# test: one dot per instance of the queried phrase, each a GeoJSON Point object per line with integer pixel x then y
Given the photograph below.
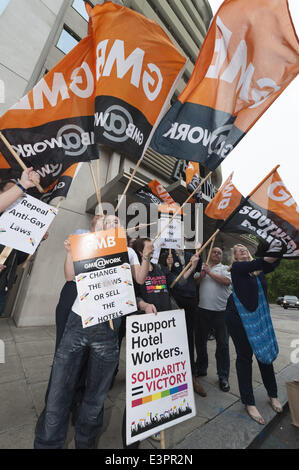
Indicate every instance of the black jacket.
{"type": "Point", "coordinates": [8, 275]}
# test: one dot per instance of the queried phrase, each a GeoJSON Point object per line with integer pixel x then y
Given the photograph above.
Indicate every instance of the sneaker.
{"type": "Point", "coordinates": [156, 437]}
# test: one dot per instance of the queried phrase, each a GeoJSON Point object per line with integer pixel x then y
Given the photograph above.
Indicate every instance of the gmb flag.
{"type": "Point", "coordinates": [249, 56]}
{"type": "Point", "coordinates": [270, 213]}
{"type": "Point", "coordinates": [193, 181]}
{"type": "Point", "coordinates": [137, 70]}
{"type": "Point", "coordinates": [51, 128]}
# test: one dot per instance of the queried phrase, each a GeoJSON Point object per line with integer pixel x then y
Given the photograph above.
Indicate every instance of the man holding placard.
{"type": "Point", "coordinates": [101, 256]}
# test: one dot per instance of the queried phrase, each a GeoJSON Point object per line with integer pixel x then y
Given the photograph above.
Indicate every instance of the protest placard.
{"type": "Point", "coordinates": [103, 276]}
{"type": "Point", "coordinates": [25, 222]}
{"type": "Point", "coordinates": [173, 236]}
{"type": "Point", "coordinates": [159, 386]}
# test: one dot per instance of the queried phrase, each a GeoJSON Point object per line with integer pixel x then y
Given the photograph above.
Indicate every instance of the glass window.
{"type": "Point", "coordinates": [79, 6]}
{"type": "Point", "coordinates": [67, 40]}
{"type": "Point", "coordinates": [3, 5]}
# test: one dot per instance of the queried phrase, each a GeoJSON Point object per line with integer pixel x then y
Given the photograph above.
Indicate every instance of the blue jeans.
{"type": "Point", "coordinates": [102, 344]}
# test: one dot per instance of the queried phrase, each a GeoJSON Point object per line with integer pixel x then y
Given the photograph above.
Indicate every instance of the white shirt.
{"type": "Point", "coordinates": [212, 294]}
{"type": "Point", "coordinates": [133, 260]}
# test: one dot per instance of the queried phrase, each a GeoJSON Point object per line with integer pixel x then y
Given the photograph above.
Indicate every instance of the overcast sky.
{"type": "Point", "coordinates": [273, 140]}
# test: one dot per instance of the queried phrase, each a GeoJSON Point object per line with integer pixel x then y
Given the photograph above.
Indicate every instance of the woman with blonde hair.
{"type": "Point", "coordinates": [250, 327]}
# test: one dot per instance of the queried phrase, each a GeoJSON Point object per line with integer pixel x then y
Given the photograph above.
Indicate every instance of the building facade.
{"type": "Point", "coordinates": [34, 36]}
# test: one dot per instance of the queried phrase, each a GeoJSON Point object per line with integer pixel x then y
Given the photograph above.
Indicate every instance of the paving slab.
{"type": "Point", "coordinates": [220, 432]}
{"type": "Point", "coordinates": [21, 437]}
{"type": "Point", "coordinates": [16, 406]}
{"type": "Point", "coordinates": [11, 370]}
{"type": "Point", "coordinates": [45, 347]}
{"type": "Point", "coordinates": [37, 369]}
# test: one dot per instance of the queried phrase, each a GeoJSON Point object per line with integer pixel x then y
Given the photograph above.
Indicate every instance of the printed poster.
{"type": "Point", "coordinates": [24, 223]}
{"type": "Point", "coordinates": [172, 237]}
{"type": "Point", "coordinates": [103, 276]}
{"type": "Point", "coordinates": [159, 386]}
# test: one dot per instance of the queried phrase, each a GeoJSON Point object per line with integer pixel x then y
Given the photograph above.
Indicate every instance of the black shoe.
{"type": "Point", "coordinates": [224, 385]}
{"type": "Point", "coordinates": [201, 374]}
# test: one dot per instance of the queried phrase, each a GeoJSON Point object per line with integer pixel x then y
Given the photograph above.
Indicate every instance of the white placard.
{"type": "Point", "coordinates": [105, 294]}
{"type": "Point", "coordinates": [172, 237]}
{"type": "Point", "coordinates": [24, 223]}
{"type": "Point", "coordinates": [159, 386]}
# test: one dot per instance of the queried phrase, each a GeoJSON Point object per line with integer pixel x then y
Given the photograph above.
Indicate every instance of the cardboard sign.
{"type": "Point", "coordinates": [173, 236]}
{"type": "Point", "coordinates": [103, 276]}
{"type": "Point", "coordinates": [24, 223]}
{"type": "Point", "coordinates": [158, 379]}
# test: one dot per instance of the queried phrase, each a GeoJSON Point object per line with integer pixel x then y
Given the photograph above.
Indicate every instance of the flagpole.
{"type": "Point", "coordinates": [129, 183]}
{"type": "Point", "coordinates": [141, 226]}
{"type": "Point", "coordinates": [96, 187]}
{"type": "Point", "coordinates": [225, 222]}
{"type": "Point", "coordinates": [180, 208]}
{"type": "Point", "coordinates": [198, 252]}
{"type": "Point", "coordinates": [18, 159]}
{"type": "Point", "coordinates": [210, 251]}
{"type": "Point", "coordinates": [262, 182]}
{"type": "Point", "coordinates": [5, 254]}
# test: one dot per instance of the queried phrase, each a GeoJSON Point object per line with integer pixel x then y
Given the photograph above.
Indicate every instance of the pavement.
{"type": "Point", "coordinates": [220, 423]}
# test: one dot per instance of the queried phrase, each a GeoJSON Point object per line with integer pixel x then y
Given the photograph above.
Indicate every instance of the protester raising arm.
{"type": "Point", "coordinates": [69, 271]}
{"type": "Point", "coordinates": [12, 191]}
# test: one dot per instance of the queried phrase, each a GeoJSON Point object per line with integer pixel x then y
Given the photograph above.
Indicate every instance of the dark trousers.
{"type": "Point", "coordinates": [190, 307]}
{"type": "Point", "coordinates": [244, 361]}
{"type": "Point", "coordinates": [102, 343]}
{"type": "Point", "coordinates": [207, 319]}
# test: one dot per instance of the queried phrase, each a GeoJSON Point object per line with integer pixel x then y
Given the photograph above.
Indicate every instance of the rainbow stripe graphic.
{"type": "Point", "coordinates": [84, 296]}
{"type": "Point", "coordinates": [53, 212]}
{"type": "Point", "coordinates": [130, 304]}
{"type": "Point", "coordinates": [89, 320]}
{"type": "Point", "coordinates": [128, 283]}
{"type": "Point", "coordinates": [125, 266]}
{"type": "Point", "coordinates": [158, 396]}
{"type": "Point", "coordinates": [32, 241]}
{"type": "Point", "coordinates": [2, 230]}
{"type": "Point", "coordinates": [81, 278]}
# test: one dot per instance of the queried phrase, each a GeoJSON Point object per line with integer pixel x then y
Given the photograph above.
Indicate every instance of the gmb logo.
{"type": "Point", "coordinates": [118, 125]}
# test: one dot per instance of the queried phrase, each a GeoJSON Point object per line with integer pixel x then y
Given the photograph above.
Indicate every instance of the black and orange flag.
{"type": "Point", "coordinates": [270, 213]}
{"type": "Point", "coordinates": [51, 128]}
{"type": "Point", "coordinates": [137, 71]}
{"type": "Point", "coordinates": [193, 180]}
{"type": "Point", "coordinates": [249, 56]}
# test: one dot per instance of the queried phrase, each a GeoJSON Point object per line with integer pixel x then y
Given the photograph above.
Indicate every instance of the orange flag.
{"type": "Point", "coordinates": [137, 70]}
{"type": "Point", "coordinates": [249, 56]}
{"type": "Point", "coordinates": [51, 128]}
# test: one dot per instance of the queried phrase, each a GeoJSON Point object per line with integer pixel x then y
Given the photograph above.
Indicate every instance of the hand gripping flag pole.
{"type": "Point", "coordinates": [16, 156]}
{"type": "Point", "coordinates": [198, 252]}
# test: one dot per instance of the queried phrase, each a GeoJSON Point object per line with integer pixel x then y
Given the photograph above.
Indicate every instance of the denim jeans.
{"type": "Point", "coordinates": [244, 361]}
{"type": "Point", "coordinates": [207, 319]}
{"type": "Point", "coordinates": [102, 344]}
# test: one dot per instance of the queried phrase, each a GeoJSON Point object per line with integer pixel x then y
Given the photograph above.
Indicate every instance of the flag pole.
{"type": "Point", "coordinates": [210, 251]}
{"type": "Point", "coordinates": [198, 252]}
{"type": "Point", "coordinates": [225, 222]}
{"type": "Point", "coordinates": [180, 208]}
{"type": "Point", "coordinates": [129, 183]}
{"type": "Point", "coordinates": [100, 207]}
{"type": "Point", "coordinates": [263, 180]}
{"type": "Point", "coordinates": [18, 159]}
{"type": "Point", "coordinates": [96, 186]}
{"type": "Point", "coordinates": [5, 254]}
{"type": "Point", "coordinates": [141, 226]}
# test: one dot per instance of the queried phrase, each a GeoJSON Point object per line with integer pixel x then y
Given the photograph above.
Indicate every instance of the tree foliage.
{"type": "Point", "coordinates": [284, 280]}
